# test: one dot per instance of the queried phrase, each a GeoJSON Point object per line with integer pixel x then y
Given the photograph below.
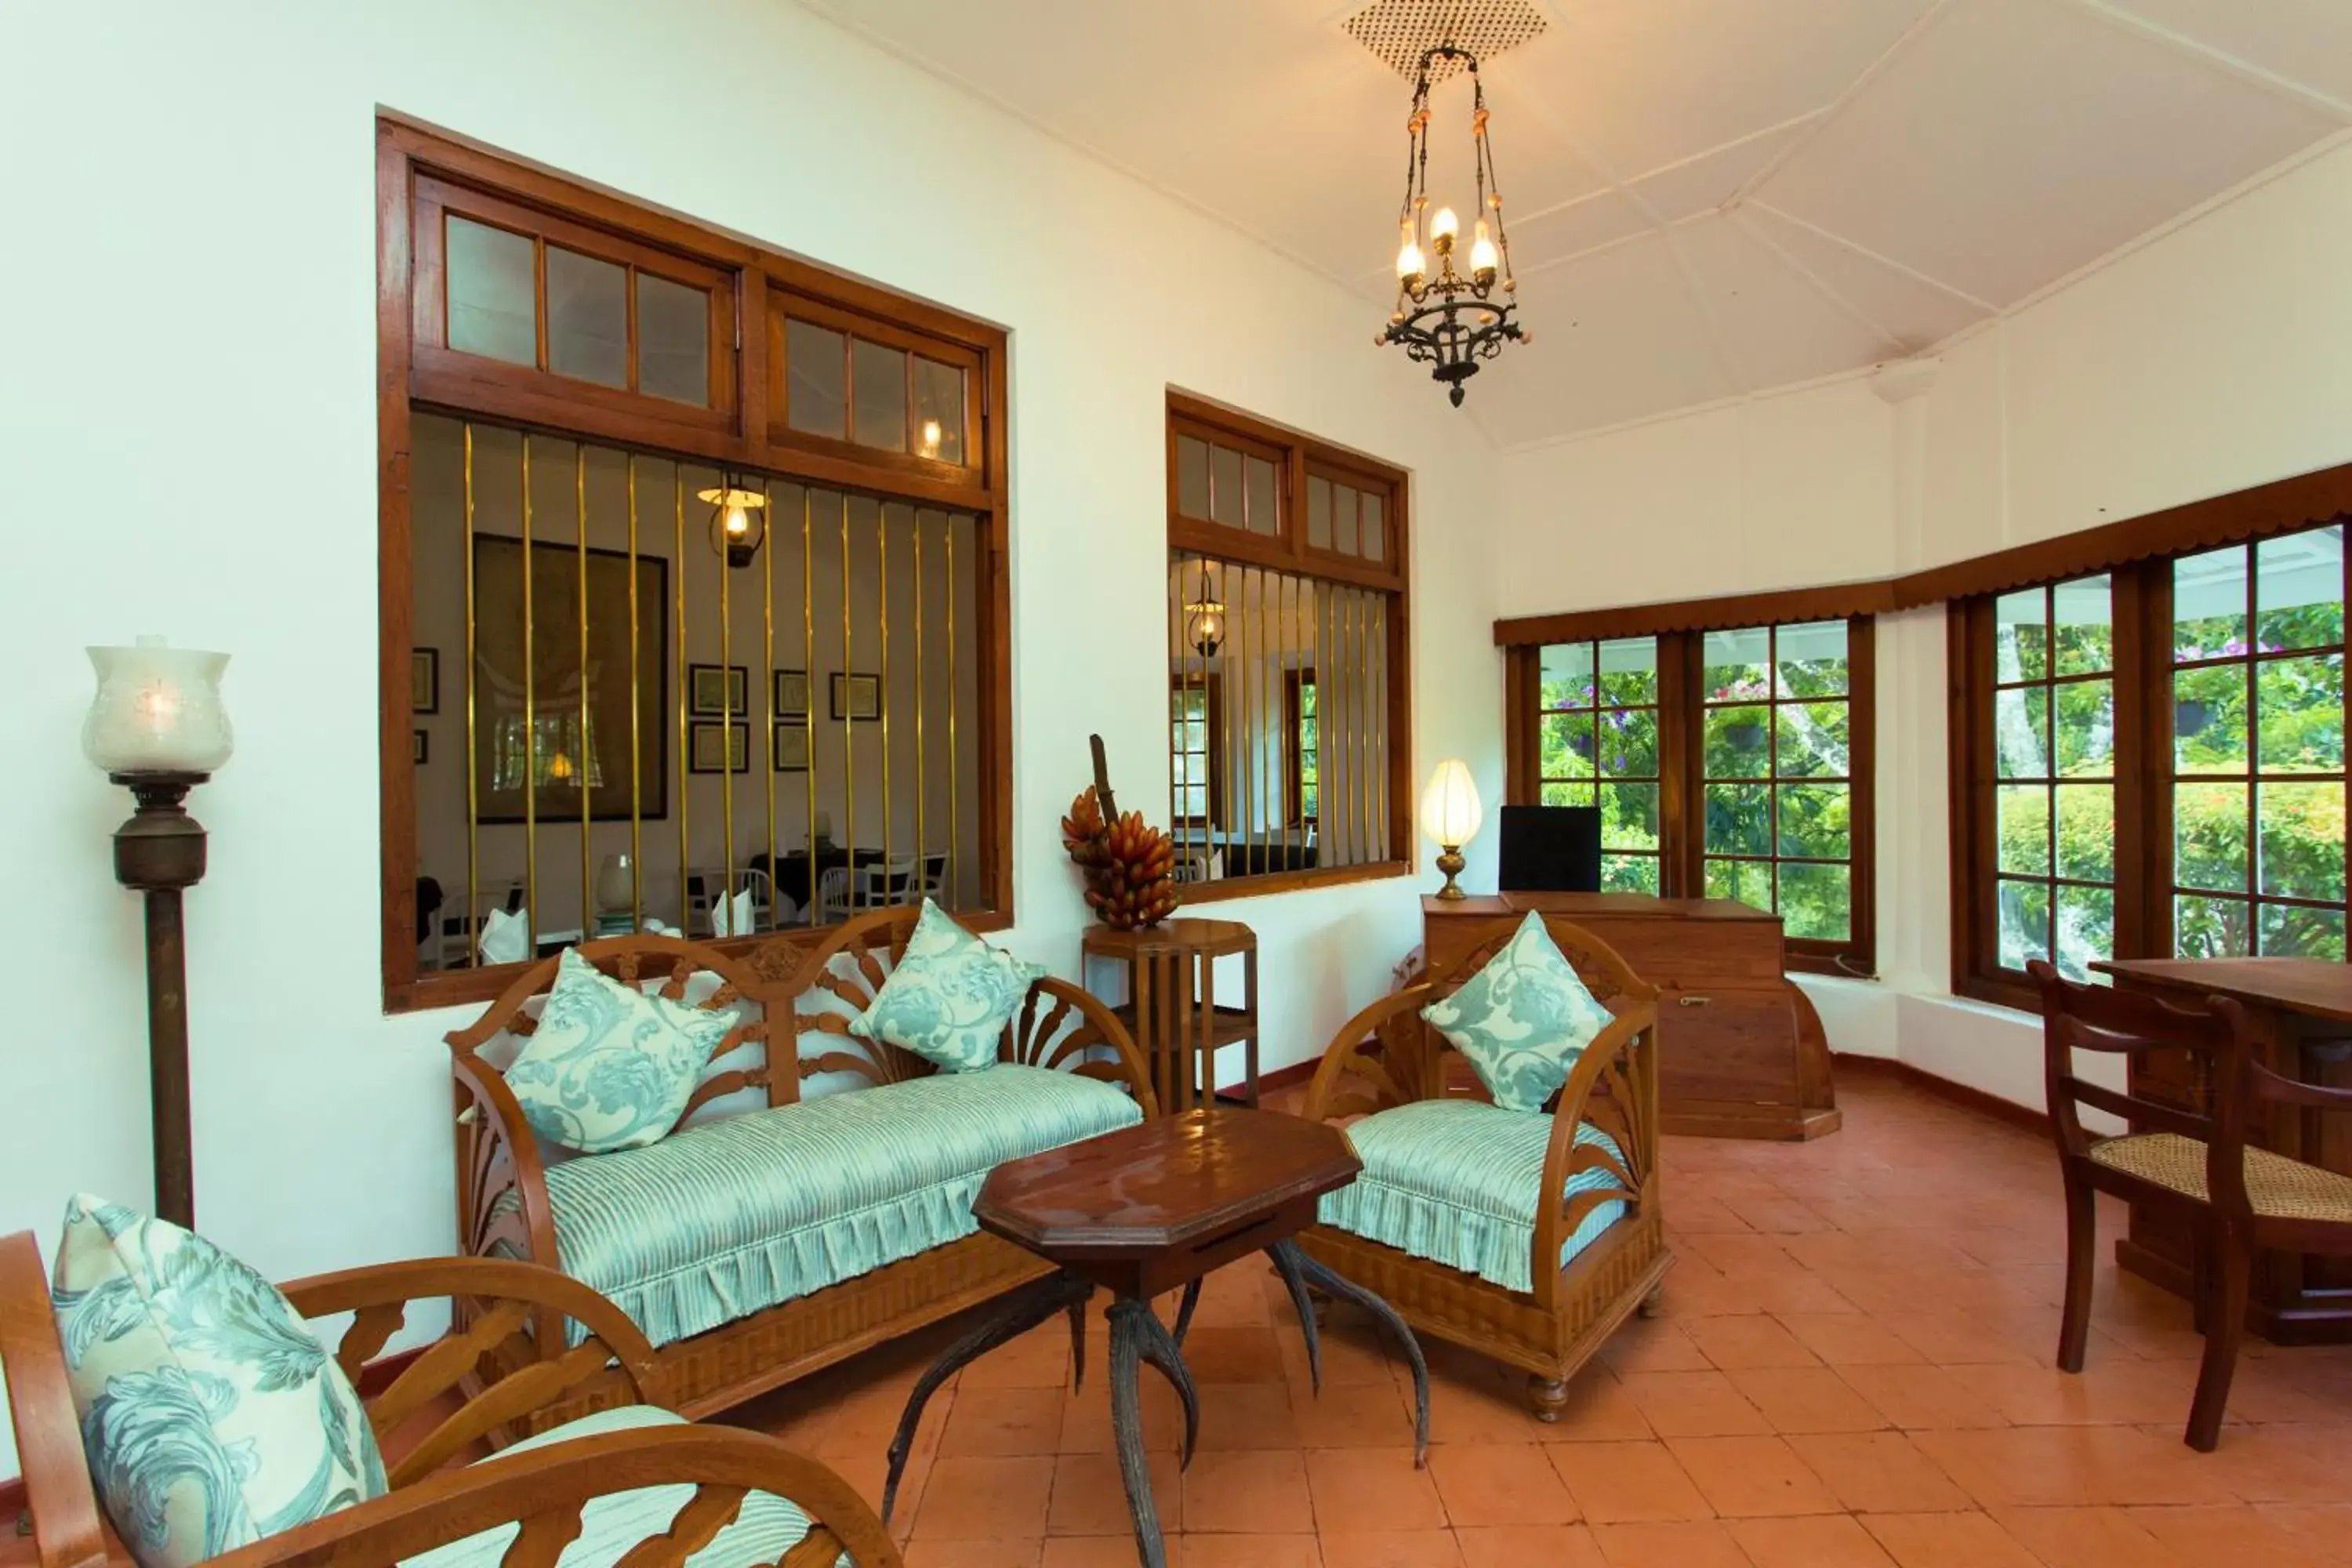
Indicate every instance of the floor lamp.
{"type": "Point", "coordinates": [158, 728]}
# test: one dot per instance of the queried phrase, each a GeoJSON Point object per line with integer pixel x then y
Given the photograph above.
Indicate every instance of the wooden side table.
{"type": "Point", "coordinates": [1172, 1008]}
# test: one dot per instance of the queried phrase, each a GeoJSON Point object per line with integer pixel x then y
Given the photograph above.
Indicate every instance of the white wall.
{"type": "Point", "coordinates": [207, 285]}
{"type": "Point", "coordinates": [2204, 362]}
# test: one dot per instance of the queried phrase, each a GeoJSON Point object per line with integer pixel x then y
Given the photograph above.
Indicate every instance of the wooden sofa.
{"type": "Point", "coordinates": [503, 1206]}
{"type": "Point", "coordinates": [431, 1504]}
{"type": "Point", "coordinates": [1386, 1056]}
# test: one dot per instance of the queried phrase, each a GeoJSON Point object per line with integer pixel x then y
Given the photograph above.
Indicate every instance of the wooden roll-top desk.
{"type": "Point", "coordinates": [1741, 1050]}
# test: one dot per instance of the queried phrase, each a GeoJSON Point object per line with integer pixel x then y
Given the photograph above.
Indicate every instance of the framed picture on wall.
{"type": "Point", "coordinates": [420, 747]}
{"type": "Point", "coordinates": [716, 690]}
{"type": "Point", "coordinates": [791, 695]}
{"type": "Point", "coordinates": [719, 748]}
{"type": "Point", "coordinates": [793, 745]}
{"type": "Point", "coordinates": [856, 696]}
{"type": "Point", "coordinates": [425, 682]}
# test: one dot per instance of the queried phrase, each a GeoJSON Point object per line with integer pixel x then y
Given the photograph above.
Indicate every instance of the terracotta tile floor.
{"type": "Point", "coordinates": [1852, 1372]}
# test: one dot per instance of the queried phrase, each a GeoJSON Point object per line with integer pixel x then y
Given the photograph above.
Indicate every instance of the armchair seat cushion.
{"type": "Point", "coordinates": [723, 1220]}
{"type": "Point", "coordinates": [763, 1530]}
{"type": "Point", "coordinates": [1456, 1182]}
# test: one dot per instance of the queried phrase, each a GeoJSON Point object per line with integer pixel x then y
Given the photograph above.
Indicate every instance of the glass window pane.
{"type": "Point", "coordinates": [673, 341]}
{"type": "Point", "coordinates": [1567, 675]}
{"type": "Point", "coordinates": [1191, 477]}
{"type": "Point", "coordinates": [1738, 742]}
{"type": "Point", "coordinates": [2208, 604]}
{"type": "Point", "coordinates": [493, 302]}
{"type": "Point", "coordinates": [2299, 589]}
{"type": "Point", "coordinates": [938, 410]}
{"type": "Point", "coordinates": [2299, 714]}
{"type": "Point", "coordinates": [2087, 930]}
{"type": "Point", "coordinates": [1568, 794]}
{"type": "Point", "coordinates": [2086, 632]}
{"type": "Point", "coordinates": [1345, 500]}
{"type": "Point", "coordinates": [1735, 665]}
{"type": "Point", "coordinates": [1816, 821]}
{"type": "Point", "coordinates": [2303, 840]}
{"type": "Point", "coordinates": [1264, 511]}
{"type": "Point", "coordinates": [2212, 928]}
{"type": "Point", "coordinates": [1568, 745]}
{"type": "Point", "coordinates": [1629, 742]}
{"type": "Point", "coordinates": [2022, 817]}
{"type": "Point", "coordinates": [2021, 636]}
{"type": "Point", "coordinates": [2020, 730]}
{"type": "Point", "coordinates": [2023, 913]}
{"type": "Point", "coordinates": [1629, 874]}
{"type": "Point", "coordinates": [2209, 719]}
{"type": "Point", "coordinates": [587, 317]}
{"type": "Point", "coordinates": [2208, 835]}
{"type": "Point", "coordinates": [1810, 741]}
{"type": "Point", "coordinates": [1748, 881]}
{"type": "Point", "coordinates": [2291, 932]}
{"type": "Point", "coordinates": [1629, 816]}
{"type": "Point", "coordinates": [877, 381]}
{"type": "Point", "coordinates": [814, 384]}
{"type": "Point", "coordinates": [1225, 486]}
{"type": "Point", "coordinates": [1817, 901]}
{"type": "Point", "coordinates": [1810, 659]}
{"type": "Point", "coordinates": [1318, 513]}
{"type": "Point", "coordinates": [1374, 527]}
{"type": "Point", "coordinates": [2086, 832]}
{"type": "Point", "coordinates": [2086, 728]}
{"type": "Point", "coordinates": [1739, 818]}
{"type": "Point", "coordinates": [1629, 670]}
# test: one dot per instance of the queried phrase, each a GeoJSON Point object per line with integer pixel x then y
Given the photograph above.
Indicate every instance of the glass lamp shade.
{"type": "Point", "coordinates": [158, 709]}
{"type": "Point", "coordinates": [1450, 811]}
{"type": "Point", "coordinates": [739, 522]}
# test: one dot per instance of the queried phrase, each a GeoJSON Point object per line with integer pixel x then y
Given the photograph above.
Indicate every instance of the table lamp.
{"type": "Point", "coordinates": [1450, 814]}
{"type": "Point", "coordinates": [157, 727]}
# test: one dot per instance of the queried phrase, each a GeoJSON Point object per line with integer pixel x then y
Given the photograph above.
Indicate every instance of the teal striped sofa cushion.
{"type": "Point", "coordinates": [1455, 1181]}
{"type": "Point", "coordinates": [718, 1221]}
{"type": "Point", "coordinates": [764, 1529]}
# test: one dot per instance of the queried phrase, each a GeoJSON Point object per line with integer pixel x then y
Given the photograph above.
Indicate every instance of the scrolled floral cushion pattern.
{"type": "Point", "coordinates": [950, 997]}
{"type": "Point", "coordinates": [211, 1416]}
{"type": "Point", "coordinates": [609, 1065]}
{"type": "Point", "coordinates": [1523, 1019]}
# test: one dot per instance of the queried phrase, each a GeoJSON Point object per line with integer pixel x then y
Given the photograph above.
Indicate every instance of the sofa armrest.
{"type": "Point", "coordinates": [1614, 1087]}
{"type": "Point", "coordinates": [68, 1532]}
{"type": "Point", "coordinates": [1359, 1071]}
{"type": "Point", "coordinates": [498, 1152]}
{"type": "Point", "coordinates": [544, 1491]}
{"type": "Point", "coordinates": [1045, 1035]}
{"type": "Point", "coordinates": [503, 1297]}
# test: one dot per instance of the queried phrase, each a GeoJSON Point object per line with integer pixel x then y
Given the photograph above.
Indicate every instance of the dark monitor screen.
{"type": "Point", "coordinates": [1551, 849]}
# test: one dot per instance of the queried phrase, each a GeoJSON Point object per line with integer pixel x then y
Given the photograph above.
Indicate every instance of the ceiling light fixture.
{"type": "Point", "coordinates": [1454, 320]}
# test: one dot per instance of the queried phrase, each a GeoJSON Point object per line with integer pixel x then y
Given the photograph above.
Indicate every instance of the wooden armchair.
{"type": "Point", "coordinates": [1385, 1056]}
{"type": "Point", "coordinates": [430, 1504]}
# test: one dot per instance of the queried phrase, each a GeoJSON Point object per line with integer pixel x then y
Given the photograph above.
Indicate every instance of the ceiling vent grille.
{"type": "Point", "coordinates": [1399, 31]}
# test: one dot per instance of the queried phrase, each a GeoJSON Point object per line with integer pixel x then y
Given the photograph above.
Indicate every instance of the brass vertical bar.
{"type": "Point", "coordinates": [636, 781]}
{"type": "Point", "coordinates": [727, 714]}
{"type": "Point", "coordinates": [1248, 754]}
{"type": "Point", "coordinates": [1253, 712]}
{"type": "Point", "coordinates": [955, 774]}
{"type": "Point", "coordinates": [582, 769]}
{"type": "Point", "coordinates": [1169, 678]}
{"type": "Point", "coordinates": [1363, 727]}
{"type": "Point", "coordinates": [677, 559]}
{"type": "Point", "coordinates": [530, 727]}
{"type": "Point", "coordinates": [922, 701]}
{"type": "Point", "coordinates": [882, 693]}
{"type": "Point", "coordinates": [808, 686]}
{"type": "Point", "coordinates": [768, 669]}
{"type": "Point", "coordinates": [473, 776]}
{"type": "Point", "coordinates": [1212, 786]}
{"type": "Point", "coordinates": [1384, 764]}
{"type": "Point", "coordinates": [848, 731]}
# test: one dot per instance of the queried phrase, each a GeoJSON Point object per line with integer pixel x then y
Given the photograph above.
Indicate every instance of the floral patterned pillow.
{"type": "Point", "coordinates": [1523, 1019]}
{"type": "Point", "coordinates": [211, 1416]}
{"type": "Point", "coordinates": [609, 1065]}
{"type": "Point", "coordinates": [950, 997]}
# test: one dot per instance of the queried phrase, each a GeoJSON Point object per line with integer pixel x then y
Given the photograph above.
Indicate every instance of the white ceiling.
{"type": "Point", "coordinates": [1707, 197]}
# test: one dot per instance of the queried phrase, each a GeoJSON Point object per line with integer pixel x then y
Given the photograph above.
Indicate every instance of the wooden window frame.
{"type": "Point", "coordinates": [1300, 456]}
{"type": "Point", "coordinates": [1682, 756]}
{"type": "Point", "coordinates": [1214, 746]}
{"type": "Point", "coordinates": [1656, 707]}
{"type": "Point", "coordinates": [420, 173]}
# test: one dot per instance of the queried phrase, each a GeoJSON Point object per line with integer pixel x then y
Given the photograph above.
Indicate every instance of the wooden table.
{"type": "Point", "coordinates": [1143, 1211]}
{"type": "Point", "coordinates": [1172, 1008]}
{"type": "Point", "coordinates": [2301, 1013]}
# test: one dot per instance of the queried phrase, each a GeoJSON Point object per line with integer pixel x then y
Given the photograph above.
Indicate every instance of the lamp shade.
{"type": "Point", "coordinates": [158, 709]}
{"type": "Point", "coordinates": [1450, 811]}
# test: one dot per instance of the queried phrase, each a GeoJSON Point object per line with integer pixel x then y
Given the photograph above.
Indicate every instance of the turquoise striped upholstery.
{"type": "Point", "coordinates": [764, 1529]}
{"type": "Point", "coordinates": [721, 1220]}
{"type": "Point", "coordinates": [1455, 1181]}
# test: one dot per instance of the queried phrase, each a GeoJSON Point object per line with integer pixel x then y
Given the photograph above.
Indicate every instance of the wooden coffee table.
{"type": "Point", "coordinates": [1143, 1211]}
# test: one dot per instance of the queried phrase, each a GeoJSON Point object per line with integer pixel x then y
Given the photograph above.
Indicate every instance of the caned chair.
{"type": "Point", "coordinates": [2191, 1163]}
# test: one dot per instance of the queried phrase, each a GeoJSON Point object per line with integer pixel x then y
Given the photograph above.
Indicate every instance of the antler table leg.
{"type": "Point", "coordinates": [1298, 1271]}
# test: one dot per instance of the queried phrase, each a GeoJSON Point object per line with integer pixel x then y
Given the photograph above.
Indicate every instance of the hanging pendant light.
{"type": "Point", "coordinates": [1456, 319]}
{"type": "Point", "coordinates": [1204, 626]}
{"type": "Point", "coordinates": [739, 519]}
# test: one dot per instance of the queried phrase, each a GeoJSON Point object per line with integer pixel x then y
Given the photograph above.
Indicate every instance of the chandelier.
{"type": "Point", "coordinates": [1454, 320]}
